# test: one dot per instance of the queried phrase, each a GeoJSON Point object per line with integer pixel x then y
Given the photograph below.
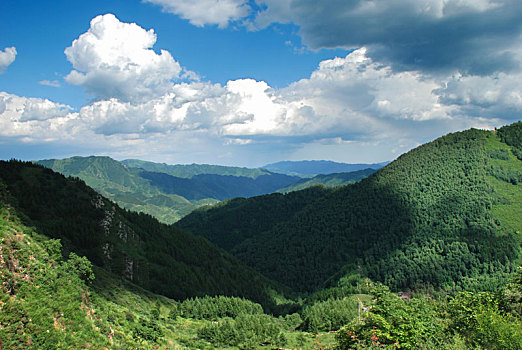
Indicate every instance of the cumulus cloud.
{"type": "Point", "coordinates": [7, 56]}
{"type": "Point", "coordinates": [352, 108]}
{"type": "Point", "coordinates": [203, 12]}
{"type": "Point", "coordinates": [116, 60]}
{"type": "Point", "coordinates": [348, 102]}
{"type": "Point", "coordinates": [23, 109]}
{"type": "Point", "coordinates": [33, 118]}
{"type": "Point", "coordinates": [487, 96]}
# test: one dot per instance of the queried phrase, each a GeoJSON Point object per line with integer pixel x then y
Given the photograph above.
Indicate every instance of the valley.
{"type": "Point", "coordinates": [318, 267]}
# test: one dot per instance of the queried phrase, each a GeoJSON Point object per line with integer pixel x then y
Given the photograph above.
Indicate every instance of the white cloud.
{"type": "Point", "coordinates": [352, 104]}
{"type": "Point", "coordinates": [52, 83]}
{"type": "Point", "coordinates": [33, 118]}
{"type": "Point", "coordinates": [202, 12]}
{"type": "Point", "coordinates": [7, 56]}
{"type": "Point", "coordinates": [115, 60]}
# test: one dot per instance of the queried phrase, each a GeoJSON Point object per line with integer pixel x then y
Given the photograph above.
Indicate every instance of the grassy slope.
{"type": "Point", "coordinates": [509, 201]}
{"type": "Point", "coordinates": [48, 303]}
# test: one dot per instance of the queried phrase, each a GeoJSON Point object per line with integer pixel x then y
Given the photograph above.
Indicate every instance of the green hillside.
{"type": "Point", "coordinates": [125, 186]}
{"type": "Point", "coordinates": [190, 170]}
{"type": "Point", "coordinates": [155, 256]}
{"type": "Point", "coordinates": [167, 192]}
{"type": "Point", "coordinates": [330, 180]}
{"type": "Point", "coordinates": [231, 222]}
{"type": "Point", "coordinates": [50, 302]}
{"type": "Point", "coordinates": [445, 214]}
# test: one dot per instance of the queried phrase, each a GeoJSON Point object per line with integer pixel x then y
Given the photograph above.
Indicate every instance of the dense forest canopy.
{"type": "Point", "coordinates": [440, 215]}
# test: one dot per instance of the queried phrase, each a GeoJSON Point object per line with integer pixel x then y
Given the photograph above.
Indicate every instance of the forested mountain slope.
{"type": "Point", "coordinates": [167, 192]}
{"type": "Point", "coordinates": [445, 214]}
{"type": "Point", "coordinates": [136, 246]}
{"type": "Point", "coordinates": [330, 180]}
{"type": "Point", "coordinates": [190, 170]}
{"type": "Point", "coordinates": [231, 222]}
{"type": "Point", "coordinates": [49, 301]}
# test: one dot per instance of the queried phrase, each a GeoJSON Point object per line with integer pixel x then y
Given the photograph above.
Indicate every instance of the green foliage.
{"type": "Point", "coordinates": [465, 321]}
{"type": "Point", "coordinates": [502, 154]}
{"type": "Point", "coordinates": [346, 283]}
{"type": "Point", "coordinates": [430, 218]}
{"type": "Point", "coordinates": [245, 331]}
{"type": "Point", "coordinates": [147, 331]}
{"type": "Point", "coordinates": [155, 256]}
{"type": "Point", "coordinates": [512, 294]}
{"type": "Point", "coordinates": [508, 175]}
{"type": "Point", "coordinates": [511, 135]}
{"type": "Point", "coordinates": [213, 308]}
{"type": "Point", "coordinates": [392, 321]}
{"type": "Point", "coordinates": [44, 302]}
{"type": "Point", "coordinates": [478, 317]}
{"type": "Point", "coordinates": [331, 315]}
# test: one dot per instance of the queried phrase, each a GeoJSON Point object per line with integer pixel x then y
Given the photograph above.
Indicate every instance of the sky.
{"type": "Point", "coordinates": [252, 82]}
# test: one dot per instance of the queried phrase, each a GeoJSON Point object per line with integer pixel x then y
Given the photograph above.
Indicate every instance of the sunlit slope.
{"type": "Point", "coordinates": [436, 216]}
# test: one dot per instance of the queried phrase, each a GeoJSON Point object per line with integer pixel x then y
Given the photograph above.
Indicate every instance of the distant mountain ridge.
{"type": "Point", "coordinates": [329, 180]}
{"type": "Point", "coordinates": [191, 170]}
{"type": "Point", "coordinates": [310, 168]}
{"type": "Point", "coordinates": [168, 192]}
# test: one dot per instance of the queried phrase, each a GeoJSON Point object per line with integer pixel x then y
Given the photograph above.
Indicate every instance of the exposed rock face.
{"type": "Point", "coordinates": [118, 236]}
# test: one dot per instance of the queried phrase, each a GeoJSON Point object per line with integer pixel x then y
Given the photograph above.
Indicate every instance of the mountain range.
{"type": "Point", "coordinates": [169, 192]}
{"type": "Point", "coordinates": [311, 168]}
{"type": "Point", "coordinates": [279, 269]}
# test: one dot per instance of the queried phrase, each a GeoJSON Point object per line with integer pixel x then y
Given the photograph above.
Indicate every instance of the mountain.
{"type": "Point", "coordinates": [155, 256]}
{"type": "Point", "coordinates": [190, 170]}
{"type": "Point", "coordinates": [310, 168]}
{"type": "Point", "coordinates": [168, 192]}
{"type": "Point", "coordinates": [445, 214]}
{"type": "Point", "coordinates": [330, 180]}
{"type": "Point", "coordinates": [231, 222]}
{"type": "Point", "coordinates": [218, 187]}
{"type": "Point", "coordinates": [54, 301]}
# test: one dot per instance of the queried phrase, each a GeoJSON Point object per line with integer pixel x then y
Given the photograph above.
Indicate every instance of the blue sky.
{"type": "Point", "coordinates": [247, 83]}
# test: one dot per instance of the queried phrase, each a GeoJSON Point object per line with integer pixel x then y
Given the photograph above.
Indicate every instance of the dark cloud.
{"type": "Point", "coordinates": [427, 35]}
